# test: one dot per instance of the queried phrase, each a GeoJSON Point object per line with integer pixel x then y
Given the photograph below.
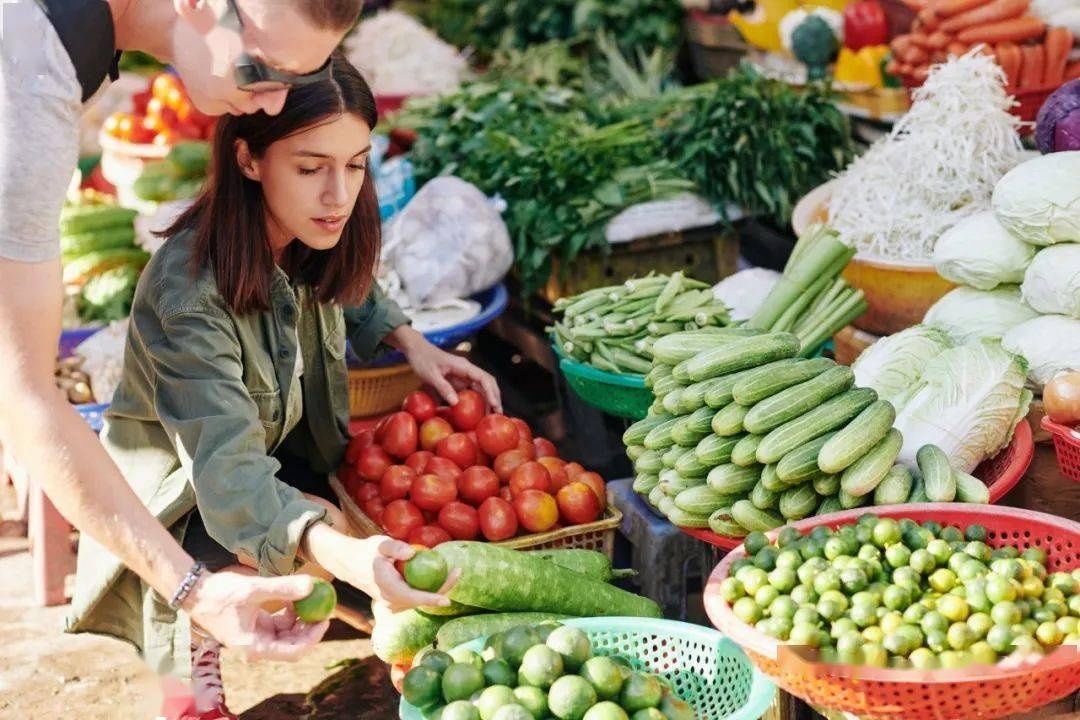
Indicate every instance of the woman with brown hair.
{"type": "Point", "coordinates": [233, 406]}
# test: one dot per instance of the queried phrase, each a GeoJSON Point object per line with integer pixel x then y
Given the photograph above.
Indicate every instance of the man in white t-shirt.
{"type": "Point", "coordinates": [235, 56]}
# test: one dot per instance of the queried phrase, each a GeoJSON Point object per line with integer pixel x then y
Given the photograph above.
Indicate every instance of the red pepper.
{"type": "Point", "coordinates": [865, 24]}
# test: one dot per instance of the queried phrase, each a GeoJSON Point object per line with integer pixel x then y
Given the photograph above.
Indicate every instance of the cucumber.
{"type": "Point", "coordinates": [635, 434]}
{"type": "Point", "coordinates": [828, 416]}
{"type": "Point", "coordinates": [643, 484]}
{"type": "Point", "coordinates": [733, 480]}
{"type": "Point", "coordinates": [648, 462]}
{"type": "Point", "coordinates": [462, 630]}
{"type": "Point", "coordinates": [715, 450]}
{"type": "Point", "coordinates": [753, 519]}
{"type": "Point", "coordinates": [918, 491]}
{"type": "Point", "coordinates": [774, 411]}
{"type": "Point", "coordinates": [693, 397]}
{"type": "Point", "coordinates": [719, 395]}
{"type": "Point", "coordinates": [659, 370]}
{"type": "Point", "coordinates": [970, 489]}
{"type": "Point", "coordinates": [81, 269]}
{"type": "Point", "coordinates": [397, 637]}
{"type": "Point", "coordinates": [681, 373]}
{"type": "Point", "coordinates": [858, 438]}
{"type": "Point", "coordinates": [665, 386]}
{"type": "Point", "coordinates": [79, 219]}
{"type": "Point", "coordinates": [689, 466]}
{"type": "Point", "coordinates": [830, 504]}
{"type": "Point", "coordinates": [770, 379]}
{"type": "Point", "coordinates": [635, 451]}
{"type": "Point", "coordinates": [729, 421]}
{"type": "Point", "coordinates": [656, 495]}
{"type": "Point", "coordinates": [763, 498]}
{"type": "Point", "coordinates": [801, 464]}
{"type": "Point", "coordinates": [675, 483]}
{"type": "Point", "coordinates": [681, 518]}
{"type": "Point", "coordinates": [868, 471]}
{"type": "Point", "coordinates": [895, 489]}
{"type": "Point", "coordinates": [73, 246]}
{"type": "Point", "coordinates": [771, 480]}
{"type": "Point", "coordinates": [672, 402]}
{"type": "Point", "coordinates": [742, 354]}
{"type": "Point", "coordinates": [667, 504]}
{"type": "Point", "coordinates": [722, 523]}
{"type": "Point", "coordinates": [826, 485]}
{"type": "Point", "coordinates": [938, 479]}
{"type": "Point", "coordinates": [505, 580]}
{"type": "Point", "coordinates": [850, 502]}
{"type": "Point", "coordinates": [693, 428]}
{"type": "Point", "coordinates": [702, 500]}
{"type": "Point", "coordinates": [671, 457]}
{"type": "Point", "coordinates": [674, 349]}
{"type": "Point", "coordinates": [798, 502]}
{"type": "Point", "coordinates": [659, 437]}
{"type": "Point", "coordinates": [744, 454]}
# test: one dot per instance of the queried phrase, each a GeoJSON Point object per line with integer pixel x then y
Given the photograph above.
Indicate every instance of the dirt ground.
{"type": "Point", "coordinates": [46, 674]}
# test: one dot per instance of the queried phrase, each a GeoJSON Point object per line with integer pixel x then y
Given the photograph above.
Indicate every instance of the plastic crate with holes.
{"type": "Point", "coordinates": [1066, 446]}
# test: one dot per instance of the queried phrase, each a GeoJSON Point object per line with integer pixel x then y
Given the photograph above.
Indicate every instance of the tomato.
{"type": "Point", "coordinates": [372, 462]}
{"type": "Point", "coordinates": [498, 521]}
{"type": "Point", "coordinates": [176, 98]}
{"type": "Point", "coordinates": [399, 435]}
{"type": "Point", "coordinates": [189, 130]}
{"type": "Point", "coordinates": [162, 84]}
{"type": "Point", "coordinates": [418, 461]}
{"type": "Point", "coordinates": [434, 430]}
{"type": "Point", "coordinates": [125, 125]}
{"type": "Point", "coordinates": [366, 492]}
{"type": "Point", "coordinates": [507, 462]}
{"type": "Point", "coordinates": [458, 449]}
{"type": "Point", "coordinates": [166, 138]}
{"type": "Point", "coordinates": [529, 476]}
{"type": "Point", "coordinates": [496, 434]}
{"type": "Point", "coordinates": [477, 484]}
{"type": "Point", "coordinates": [443, 468]}
{"type": "Point", "coordinates": [536, 510]}
{"type": "Point", "coordinates": [429, 536]}
{"type": "Point", "coordinates": [420, 405]}
{"type": "Point", "coordinates": [596, 483]}
{"type": "Point", "coordinates": [544, 448]}
{"type": "Point", "coordinates": [524, 431]}
{"type": "Point", "coordinates": [396, 482]}
{"type": "Point", "coordinates": [578, 504]}
{"type": "Point", "coordinates": [356, 444]}
{"type": "Point", "coordinates": [346, 474]}
{"type": "Point", "coordinates": [159, 111]}
{"type": "Point", "coordinates": [401, 518]}
{"type": "Point", "coordinates": [505, 494]}
{"type": "Point", "coordinates": [374, 509]}
{"type": "Point", "coordinates": [572, 470]}
{"type": "Point", "coordinates": [460, 520]}
{"type": "Point", "coordinates": [555, 468]}
{"type": "Point", "coordinates": [112, 124]}
{"type": "Point", "coordinates": [431, 492]}
{"type": "Point", "coordinates": [140, 100]}
{"type": "Point", "coordinates": [527, 448]}
{"type": "Point", "coordinates": [481, 457]}
{"type": "Point", "coordinates": [468, 411]}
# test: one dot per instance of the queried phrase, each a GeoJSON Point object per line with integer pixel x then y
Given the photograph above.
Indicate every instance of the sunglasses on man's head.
{"type": "Point", "coordinates": [253, 75]}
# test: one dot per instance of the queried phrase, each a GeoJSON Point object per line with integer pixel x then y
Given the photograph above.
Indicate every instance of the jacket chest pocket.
{"type": "Point", "coordinates": [271, 414]}
{"type": "Point", "coordinates": [334, 334]}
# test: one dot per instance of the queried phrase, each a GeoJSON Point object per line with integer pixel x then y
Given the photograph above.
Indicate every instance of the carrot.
{"type": "Point", "coordinates": [920, 40]}
{"type": "Point", "coordinates": [938, 41]}
{"type": "Point", "coordinates": [939, 56]}
{"type": "Point", "coordinates": [921, 73]}
{"type": "Point", "coordinates": [948, 8]}
{"type": "Point", "coordinates": [1031, 75]}
{"type": "Point", "coordinates": [893, 68]}
{"type": "Point", "coordinates": [957, 48]}
{"type": "Point", "coordinates": [1059, 42]}
{"type": "Point", "coordinates": [905, 70]}
{"type": "Point", "coordinates": [900, 45]}
{"type": "Point", "coordinates": [926, 20]}
{"type": "Point", "coordinates": [915, 55]}
{"type": "Point", "coordinates": [991, 12]}
{"type": "Point", "coordinates": [1072, 72]}
{"type": "Point", "coordinates": [1010, 59]}
{"type": "Point", "coordinates": [1016, 29]}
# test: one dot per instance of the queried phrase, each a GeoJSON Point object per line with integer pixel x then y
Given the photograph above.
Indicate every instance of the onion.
{"type": "Point", "coordinates": [1062, 398]}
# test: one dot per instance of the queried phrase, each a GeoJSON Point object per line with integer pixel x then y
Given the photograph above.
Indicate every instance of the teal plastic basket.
{"type": "Point", "coordinates": [623, 396]}
{"type": "Point", "coordinates": [706, 669]}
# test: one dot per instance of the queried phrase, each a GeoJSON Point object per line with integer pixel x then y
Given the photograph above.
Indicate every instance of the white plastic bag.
{"type": "Point", "coordinates": [104, 359]}
{"type": "Point", "coordinates": [657, 217]}
{"type": "Point", "coordinates": [449, 242]}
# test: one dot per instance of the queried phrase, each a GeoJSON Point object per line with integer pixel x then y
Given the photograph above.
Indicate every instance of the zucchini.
{"type": "Point", "coordinates": [938, 479]}
{"type": "Point", "coordinates": [830, 504]}
{"type": "Point", "coordinates": [689, 466]}
{"type": "Point", "coordinates": [719, 395]}
{"type": "Point", "coordinates": [970, 489]}
{"type": "Point", "coordinates": [850, 502]}
{"type": "Point", "coordinates": [659, 437]}
{"type": "Point", "coordinates": [635, 434]}
{"type": "Point", "coordinates": [635, 451]}
{"type": "Point", "coordinates": [674, 349]}
{"type": "Point", "coordinates": [771, 480]}
{"type": "Point", "coordinates": [648, 462]}
{"type": "Point", "coordinates": [798, 502]}
{"type": "Point", "coordinates": [398, 637]}
{"type": "Point", "coordinates": [744, 454]}
{"type": "Point", "coordinates": [868, 471]}
{"type": "Point", "coordinates": [742, 354]}
{"type": "Point", "coordinates": [801, 464]}
{"type": "Point", "coordinates": [733, 480]}
{"type": "Point", "coordinates": [763, 498]}
{"type": "Point", "coordinates": [754, 519]}
{"type": "Point", "coordinates": [501, 579]}
{"type": "Point", "coordinates": [770, 379]}
{"type": "Point", "coordinates": [670, 458]}
{"type": "Point", "coordinates": [858, 438]}
{"type": "Point", "coordinates": [644, 483]}
{"type": "Point", "coordinates": [826, 485]}
{"type": "Point", "coordinates": [895, 489]}
{"type": "Point", "coordinates": [462, 630]}
{"type": "Point", "coordinates": [702, 500]}
{"type": "Point", "coordinates": [774, 411]}
{"type": "Point", "coordinates": [681, 518]}
{"type": "Point", "coordinates": [666, 385]}
{"type": "Point", "coordinates": [715, 450]}
{"type": "Point", "coordinates": [722, 523]}
{"type": "Point", "coordinates": [828, 416]}
{"type": "Point", "coordinates": [693, 428]}
{"type": "Point", "coordinates": [729, 421]}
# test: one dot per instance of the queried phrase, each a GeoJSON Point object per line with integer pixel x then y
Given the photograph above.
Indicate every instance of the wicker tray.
{"type": "Point", "coordinates": [598, 535]}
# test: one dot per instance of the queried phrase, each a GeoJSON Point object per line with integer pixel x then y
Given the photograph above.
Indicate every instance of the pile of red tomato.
{"type": "Point", "coordinates": [430, 474]}
{"type": "Point", "coordinates": [163, 115]}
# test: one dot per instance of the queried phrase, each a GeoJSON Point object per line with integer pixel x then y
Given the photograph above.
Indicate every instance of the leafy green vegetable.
{"type": "Point", "coordinates": [893, 364]}
{"type": "Point", "coordinates": [108, 296]}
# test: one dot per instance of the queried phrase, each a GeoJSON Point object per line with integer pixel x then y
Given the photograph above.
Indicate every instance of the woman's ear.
{"type": "Point", "coordinates": [198, 13]}
{"type": "Point", "coordinates": [248, 164]}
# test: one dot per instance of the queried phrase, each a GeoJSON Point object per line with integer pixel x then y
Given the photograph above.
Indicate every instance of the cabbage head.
{"type": "Point", "coordinates": [1039, 200]}
{"type": "Point", "coordinates": [966, 314]}
{"type": "Point", "coordinates": [1052, 282]}
{"type": "Point", "coordinates": [893, 364]}
{"type": "Point", "coordinates": [967, 402]}
{"type": "Point", "coordinates": [1049, 344]}
{"type": "Point", "coordinates": [979, 252]}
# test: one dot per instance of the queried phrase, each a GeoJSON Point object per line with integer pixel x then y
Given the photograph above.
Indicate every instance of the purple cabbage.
{"type": "Point", "coordinates": [1057, 128]}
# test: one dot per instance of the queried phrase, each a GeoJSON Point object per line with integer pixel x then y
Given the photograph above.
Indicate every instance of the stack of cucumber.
{"type": "Point", "coordinates": [614, 328]}
{"type": "Point", "coordinates": [95, 237]}
{"type": "Point", "coordinates": [745, 436]}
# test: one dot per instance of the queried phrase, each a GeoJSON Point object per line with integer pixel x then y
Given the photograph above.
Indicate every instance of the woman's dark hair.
{"type": "Point", "coordinates": [228, 217]}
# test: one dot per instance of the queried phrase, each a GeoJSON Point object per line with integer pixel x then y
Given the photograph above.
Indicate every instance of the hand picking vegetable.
{"type": "Point", "coordinates": [426, 570]}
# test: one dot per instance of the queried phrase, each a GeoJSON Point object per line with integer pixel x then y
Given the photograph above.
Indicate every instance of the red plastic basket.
{"type": "Point", "coordinates": [1067, 447]}
{"type": "Point", "coordinates": [1001, 473]}
{"type": "Point", "coordinates": [877, 694]}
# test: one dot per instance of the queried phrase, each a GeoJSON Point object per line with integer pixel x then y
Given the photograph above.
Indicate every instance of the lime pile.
{"type": "Point", "coordinates": [888, 593]}
{"type": "Point", "coordinates": [536, 673]}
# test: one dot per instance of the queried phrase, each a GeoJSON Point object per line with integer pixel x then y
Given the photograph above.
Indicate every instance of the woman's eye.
{"type": "Point", "coordinates": [360, 167]}
{"type": "Point", "coordinates": [308, 171]}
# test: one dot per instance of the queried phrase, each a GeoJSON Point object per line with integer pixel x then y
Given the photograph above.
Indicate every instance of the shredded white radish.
{"type": "Point", "coordinates": [399, 56]}
{"type": "Point", "coordinates": [938, 166]}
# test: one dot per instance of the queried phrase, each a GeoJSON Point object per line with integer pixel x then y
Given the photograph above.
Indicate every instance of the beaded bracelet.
{"type": "Point", "coordinates": [186, 585]}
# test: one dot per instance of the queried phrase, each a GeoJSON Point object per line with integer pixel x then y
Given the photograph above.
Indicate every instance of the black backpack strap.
{"type": "Point", "coordinates": [85, 28]}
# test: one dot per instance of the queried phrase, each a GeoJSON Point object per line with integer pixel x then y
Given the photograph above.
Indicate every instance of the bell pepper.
{"type": "Point", "coordinates": [761, 28]}
{"type": "Point", "coordinates": [865, 24]}
{"type": "Point", "coordinates": [862, 67]}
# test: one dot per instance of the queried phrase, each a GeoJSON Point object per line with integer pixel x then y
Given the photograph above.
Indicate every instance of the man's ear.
{"type": "Point", "coordinates": [197, 12]}
{"type": "Point", "coordinates": [248, 164]}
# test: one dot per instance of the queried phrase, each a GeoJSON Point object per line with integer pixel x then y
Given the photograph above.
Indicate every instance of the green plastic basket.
{"type": "Point", "coordinates": [706, 669]}
{"type": "Point", "coordinates": [623, 396]}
